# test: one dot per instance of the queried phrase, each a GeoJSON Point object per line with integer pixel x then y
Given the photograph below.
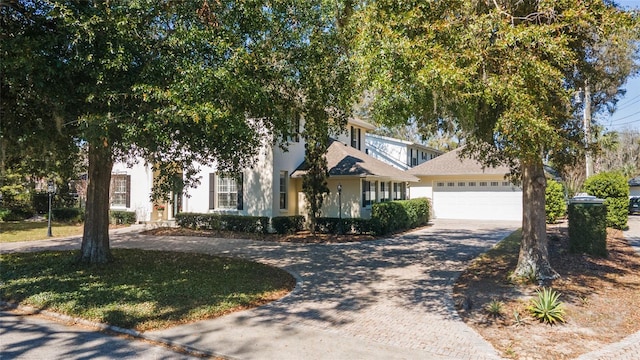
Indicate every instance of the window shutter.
{"type": "Point", "coordinates": [128, 191]}
{"type": "Point", "coordinates": [212, 190]}
{"type": "Point", "coordinates": [359, 140]}
{"type": "Point", "coordinates": [239, 188]}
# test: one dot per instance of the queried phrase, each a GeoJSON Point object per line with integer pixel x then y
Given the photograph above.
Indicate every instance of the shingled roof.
{"type": "Point", "coordinates": [451, 164]}
{"type": "Point", "coordinates": [343, 160]}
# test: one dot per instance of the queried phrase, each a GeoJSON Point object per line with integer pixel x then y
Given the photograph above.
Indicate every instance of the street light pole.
{"type": "Point", "coordinates": [340, 207]}
{"type": "Point", "coordinates": [50, 190]}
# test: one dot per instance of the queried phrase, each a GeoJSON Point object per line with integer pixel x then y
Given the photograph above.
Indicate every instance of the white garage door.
{"type": "Point", "coordinates": [477, 200]}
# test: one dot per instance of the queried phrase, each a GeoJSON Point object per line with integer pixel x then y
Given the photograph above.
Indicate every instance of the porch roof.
{"type": "Point", "coordinates": [344, 160]}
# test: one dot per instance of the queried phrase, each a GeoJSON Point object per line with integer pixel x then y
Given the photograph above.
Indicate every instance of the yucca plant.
{"type": "Point", "coordinates": [494, 308]}
{"type": "Point", "coordinates": [546, 307]}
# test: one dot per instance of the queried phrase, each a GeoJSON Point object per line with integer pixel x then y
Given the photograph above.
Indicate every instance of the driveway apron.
{"type": "Point", "coordinates": [383, 299]}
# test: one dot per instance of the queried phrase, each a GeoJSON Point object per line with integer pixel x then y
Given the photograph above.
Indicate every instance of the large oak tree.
{"type": "Point", "coordinates": [507, 73]}
{"type": "Point", "coordinates": [175, 83]}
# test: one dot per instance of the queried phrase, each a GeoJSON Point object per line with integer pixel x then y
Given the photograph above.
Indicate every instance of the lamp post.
{"type": "Point", "coordinates": [340, 208]}
{"type": "Point", "coordinates": [51, 189]}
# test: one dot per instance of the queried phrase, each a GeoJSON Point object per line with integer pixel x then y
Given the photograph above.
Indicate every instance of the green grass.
{"type": "Point", "coordinates": [12, 231]}
{"type": "Point", "coordinates": [141, 290]}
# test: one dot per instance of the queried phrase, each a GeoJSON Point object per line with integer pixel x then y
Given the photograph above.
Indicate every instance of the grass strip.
{"type": "Point", "coordinates": [141, 290]}
{"type": "Point", "coordinates": [13, 231]}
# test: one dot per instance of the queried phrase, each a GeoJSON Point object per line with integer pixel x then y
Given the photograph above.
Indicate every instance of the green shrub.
{"type": "Point", "coordinates": [546, 307]}
{"type": "Point", "coordinates": [555, 204]}
{"type": "Point", "coordinates": [400, 215]}
{"type": "Point", "coordinates": [122, 217]}
{"type": "Point", "coordinates": [250, 224]}
{"type": "Point", "coordinates": [588, 229]}
{"type": "Point", "coordinates": [71, 215]}
{"type": "Point", "coordinates": [614, 189]}
{"type": "Point", "coordinates": [16, 212]}
{"type": "Point", "coordinates": [287, 224]}
{"type": "Point", "coordinates": [390, 216]}
{"type": "Point", "coordinates": [331, 225]}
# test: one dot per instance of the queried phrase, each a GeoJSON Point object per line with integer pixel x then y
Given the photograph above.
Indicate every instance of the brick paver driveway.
{"type": "Point", "coordinates": [379, 299]}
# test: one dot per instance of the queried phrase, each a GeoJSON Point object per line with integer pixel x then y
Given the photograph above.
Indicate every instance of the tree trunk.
{"type": "Point", "coordinates": [95, 239]}
{"type": "Point", "coordinates": [534, 254]}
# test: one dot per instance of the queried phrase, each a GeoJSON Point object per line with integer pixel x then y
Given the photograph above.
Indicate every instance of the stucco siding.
{"type": "Point", "coordinates": [140, 190]}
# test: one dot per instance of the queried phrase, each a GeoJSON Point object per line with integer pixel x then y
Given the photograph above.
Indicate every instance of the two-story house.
{"type": "Point", "coordinates": [273, 186]}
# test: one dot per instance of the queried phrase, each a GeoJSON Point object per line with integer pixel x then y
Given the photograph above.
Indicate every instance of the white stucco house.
{"type": "Point", "coordinates": [400, 153]}
{"type": "Point", "coordinates": [461, 188]}
{"type": "Point", "coordinates": [273, 186]}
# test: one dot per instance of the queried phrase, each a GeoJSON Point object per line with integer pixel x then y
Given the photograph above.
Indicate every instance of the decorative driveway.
{"type": "Point", "coordinates": [386, 299]}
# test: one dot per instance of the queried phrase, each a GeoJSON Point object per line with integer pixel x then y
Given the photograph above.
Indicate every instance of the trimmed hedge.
{"type": "Point", "coordinates": [71, 215]}
{"type": "Point", "coordinates": [249, 224]}
{"type": "Point", "coordinates": [287, 224]}
{"type": "Point", "coordinates": [400, 215]}
{"type": "Point", "coordinates": [614, 189]}
{"type": "Point", "coordinates": [588, 229]}
{"type": "Point", "coordinates": [331, 225]}
{"type": "Point", "coordinates": [555, 205]}
{"type": "Point", "coordinates": [122, 217]}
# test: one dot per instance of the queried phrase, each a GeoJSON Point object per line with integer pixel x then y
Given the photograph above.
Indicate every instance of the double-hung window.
{"type": "Point", "coordinates": [283, 190]}
{"type": "Point", "coordinates": [120, 190]}
{"type": "Point", "coordinates": [384, 191]}
{"type": "Point", "coordinates": [369, 190]}
{"type": "Point", "coordinates": [399, 191]}
{"type": "Point", "coordinates": [225, 192]}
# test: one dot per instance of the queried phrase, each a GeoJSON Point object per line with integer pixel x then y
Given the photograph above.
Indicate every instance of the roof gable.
{"type": "Point", "coordinates": [452, 164]}
{"type": "Point", "coordinates": [343, 160]}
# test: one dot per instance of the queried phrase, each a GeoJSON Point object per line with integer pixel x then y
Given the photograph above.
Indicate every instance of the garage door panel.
{"type": "Point", "coordinates": [478, 205]}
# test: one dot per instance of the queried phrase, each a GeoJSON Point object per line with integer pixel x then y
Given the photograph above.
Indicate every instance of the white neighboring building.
{"type": "Point", "coordinates": [399, 153]}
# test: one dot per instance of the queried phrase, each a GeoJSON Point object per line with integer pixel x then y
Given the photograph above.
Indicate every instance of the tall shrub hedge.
{"type": "Point", "coordinates": [555, 205]}
{"type": "Point", "coordinates": [400, 215]}
{"type": "Point", "coordinates": [588, 229]}
{"type": "Point", "coordinates": [614, 189]}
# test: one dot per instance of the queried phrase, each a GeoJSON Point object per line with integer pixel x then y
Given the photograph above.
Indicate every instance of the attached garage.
{"type": "Point", "coordinates": [477, 200]}
{"type": "Point", "coordinates": [463, 189]}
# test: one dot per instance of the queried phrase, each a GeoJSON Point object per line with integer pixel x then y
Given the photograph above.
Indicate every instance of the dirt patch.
{"type": "Point", "coordinates": [601, 298]}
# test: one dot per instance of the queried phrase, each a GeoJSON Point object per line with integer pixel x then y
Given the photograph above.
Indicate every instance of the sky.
{"type": "Point", "coordinates": [627, 115]}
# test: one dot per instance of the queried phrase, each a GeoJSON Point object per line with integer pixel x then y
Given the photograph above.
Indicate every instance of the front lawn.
{"type": "Point", "coordinates": [12, 231]}
{"type": "Point", "coordinates": [141, 290]}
